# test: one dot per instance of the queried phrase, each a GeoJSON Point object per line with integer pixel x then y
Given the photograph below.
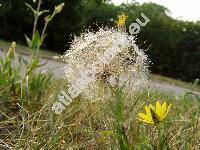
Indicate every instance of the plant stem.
{"type": "Point", "coordinates": [119, 115]}
{"type": "Point", "coordinates": [36, 18]}
{"type": "Point", "coordinates": [42, 36]}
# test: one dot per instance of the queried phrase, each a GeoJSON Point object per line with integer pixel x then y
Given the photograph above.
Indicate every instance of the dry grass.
{"type": "Point", "coordinates": [91, 125]}
{"type": "Point", "coordinates": [28, 122]}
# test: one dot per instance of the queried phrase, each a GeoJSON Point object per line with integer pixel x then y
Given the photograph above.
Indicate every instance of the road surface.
{"type": "Point", "coordinates": [55, 67]}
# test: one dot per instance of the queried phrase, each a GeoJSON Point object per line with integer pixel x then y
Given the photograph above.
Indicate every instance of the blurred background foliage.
{"type": "Point", "coordinates": [173, 45]}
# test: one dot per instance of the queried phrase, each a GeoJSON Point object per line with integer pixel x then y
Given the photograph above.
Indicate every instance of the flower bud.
{"type": "Point", "coordinates": [59, 8]}
{"type": "Point", "coordinates": [122, 20]}
{"type": "Point", "coordinates": [11, 52]}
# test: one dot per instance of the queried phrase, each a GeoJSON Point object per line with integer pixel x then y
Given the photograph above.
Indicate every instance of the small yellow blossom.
{"type": "Point", "coordinates": [122, 20]}
{"type": "Point", "coordinates": [155, 114]}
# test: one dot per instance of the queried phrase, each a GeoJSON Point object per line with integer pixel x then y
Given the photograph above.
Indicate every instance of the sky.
{"type": "Point", "coordinates": [181, 9]}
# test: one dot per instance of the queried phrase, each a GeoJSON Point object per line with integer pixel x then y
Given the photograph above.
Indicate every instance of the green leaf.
{"type": "Point", "coordinates": [28, 41]}
{"type": "Point", "coordinates": [42, 12]}
{"type": "Point", "coordinates": [36, 40]}
{"type": "Point", "coordinates": [35, 64]}
{"type": "Point", "coordinates": [108, 133]}
{"type": "Point", "coordinates": [21, 59]}
{"type": "Point", "coordinates": [40, 65]}
{"type": "Point", "coordinates": [2, 81]}
{"type": "Point", "coordinates": [31, 8]}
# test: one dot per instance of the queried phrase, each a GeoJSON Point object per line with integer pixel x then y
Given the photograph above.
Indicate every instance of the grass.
{"type": "Point", "coordinates": [27, 120]}
{"type": "Point", "coordinates": [92, 125]}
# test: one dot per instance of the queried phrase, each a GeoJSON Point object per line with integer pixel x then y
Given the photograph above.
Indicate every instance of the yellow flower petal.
{"type": "Point", "coordinates": [155, 114]}
{"type": "Point", "coordinates": [164, 106]}
{"type": "Point", "coordinates": [167, 111]}
{"type": "Point", "coordinates": [146, 121]}
{"type": "Point", "coordinates": [158, 106]}
{"type": "Point", "coordinates": [151, 106]}
{"type": "Point", "coordinates": [148, 112]}
{"type": "Point", "coordinates": [159, 111]}
{"type": "Point", "coordinates": [122, 20]}
{"type": "Point", "coordinates": [145, 118]}
{"type": "Point", "coordinates": [163, 110]}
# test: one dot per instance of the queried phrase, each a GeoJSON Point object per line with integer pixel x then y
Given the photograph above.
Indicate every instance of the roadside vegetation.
{"type": "Point", "coordinates": [24, 50]}
{"type": "Point", "coordinates": [162, 36]}
{"type": "Point", "coordinates": [146, 119]}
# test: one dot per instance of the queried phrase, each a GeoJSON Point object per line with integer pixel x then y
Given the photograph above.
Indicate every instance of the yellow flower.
{"type": "Point", "coordinates": [155, 114]}
{"type": "Point", "coordinates": [122, 20]}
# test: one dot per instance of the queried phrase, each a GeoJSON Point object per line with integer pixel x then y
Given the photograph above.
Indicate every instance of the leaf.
{"type": "Point", "coordinates": [105, 134]}
{"type": "Point", "coordinates": [40, 65]}
{"type": "Point", "coordinates": [23, 60]}
{"type": "Point", "coordinates": [42, 12]}
{"type": "Point", "coordinates": [28, 41]}
{"type": "Point", "coordinates": [31, 8]}
{"type": "Point", "coordinates": [34, 64]}
{"type": "Point", "coordinates": [2, 62]}
{"type": "Point", "coordinates": [36, 40]}
{"type": "Point", "coordinates": [108, 133]}
{"type": "Point", "coordinates": [42, 39]}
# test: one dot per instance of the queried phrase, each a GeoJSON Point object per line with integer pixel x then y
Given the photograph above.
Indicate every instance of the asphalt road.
{"type": "Point", "coordinates": [55, 67]}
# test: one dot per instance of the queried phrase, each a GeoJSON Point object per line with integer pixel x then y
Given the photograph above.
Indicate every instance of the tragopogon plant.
{"type": "Point", "coordinates": [107, 57]}
{"type": "Point", "coordinates": [36, 41]}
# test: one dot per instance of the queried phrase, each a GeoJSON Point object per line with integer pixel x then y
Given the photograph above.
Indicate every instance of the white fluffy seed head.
{"type": "Point", "coordinates": [112, 57]}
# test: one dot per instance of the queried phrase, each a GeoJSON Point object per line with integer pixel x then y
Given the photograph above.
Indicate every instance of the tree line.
{"type": "Point", "coordinates": [173, 46]}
